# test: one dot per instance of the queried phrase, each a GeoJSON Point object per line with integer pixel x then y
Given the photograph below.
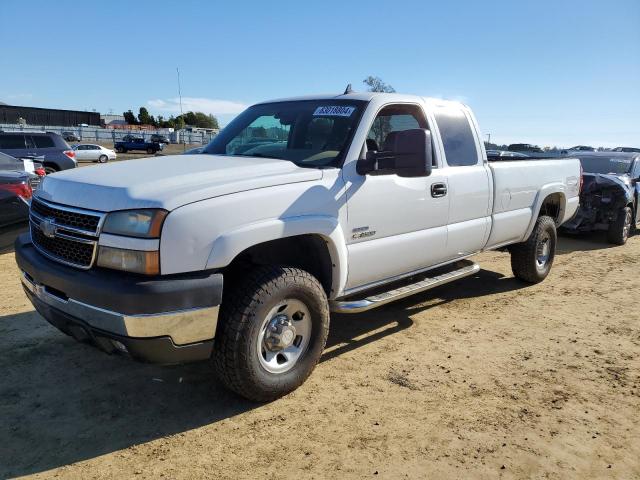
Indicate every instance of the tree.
{"type": "Point", "coordinates": [376, 84]}
{"type": "Point", "coordinates": [130, 118]}
{"type": "Point", "coordinates": [143, 116]}
{"type": "Point", "coordinates": [201, 120]}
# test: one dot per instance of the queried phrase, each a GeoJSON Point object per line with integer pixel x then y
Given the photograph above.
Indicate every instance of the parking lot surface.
{"type": "Point", "coordinates": [484, 378]}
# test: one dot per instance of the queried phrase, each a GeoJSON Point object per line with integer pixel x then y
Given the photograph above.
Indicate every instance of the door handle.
{"type": "Point", "coordinates": [438, 190]}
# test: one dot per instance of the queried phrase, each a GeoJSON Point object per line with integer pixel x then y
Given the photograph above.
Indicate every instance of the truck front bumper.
{"type": "Point", "coordinates": [166, 320]}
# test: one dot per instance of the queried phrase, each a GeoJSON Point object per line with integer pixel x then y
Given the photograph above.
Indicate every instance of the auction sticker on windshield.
{"type": "Point", "coordinates": [334, 111]}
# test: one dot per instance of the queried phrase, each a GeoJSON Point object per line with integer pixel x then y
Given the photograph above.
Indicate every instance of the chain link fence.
{"type": "Point", "coordinates": [97, 134]}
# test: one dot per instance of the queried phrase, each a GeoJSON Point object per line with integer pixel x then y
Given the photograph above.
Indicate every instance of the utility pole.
{"type": "Point", "coordinates": [488, 138]}
{"type": "Point", "coordinates": [184, 145]}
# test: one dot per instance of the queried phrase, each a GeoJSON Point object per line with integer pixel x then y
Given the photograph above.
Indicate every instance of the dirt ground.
{"type": "Point", "coordinates": [486, 378]}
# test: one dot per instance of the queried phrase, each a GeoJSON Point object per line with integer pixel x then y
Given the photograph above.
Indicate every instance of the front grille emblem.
{"type": "Point", "coordinates": [48, 227]}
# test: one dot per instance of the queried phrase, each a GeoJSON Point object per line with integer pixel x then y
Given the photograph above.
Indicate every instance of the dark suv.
{"type": "Point", "coordinates": [159, 138]}
{"type": "Point", "coordinates": [55, 152]}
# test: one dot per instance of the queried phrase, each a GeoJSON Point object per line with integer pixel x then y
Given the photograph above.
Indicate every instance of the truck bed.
{"type": "Point", "coordinates": [517, 189]}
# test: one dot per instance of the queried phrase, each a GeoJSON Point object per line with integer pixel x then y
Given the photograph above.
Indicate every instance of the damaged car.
{"type": "Point", "coordinates": [609, 195]}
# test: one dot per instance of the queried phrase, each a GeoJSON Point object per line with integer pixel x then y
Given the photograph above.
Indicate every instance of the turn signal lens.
{"type": "Point", "coordinates": [136, 261]}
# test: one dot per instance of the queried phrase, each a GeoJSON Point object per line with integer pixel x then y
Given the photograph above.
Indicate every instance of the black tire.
{"type": "Point", "coordinates": [244, 315]}
{"type": "Point", "coordinates": [531, 260]}
{"type": "Point", "coordinates": [120, 150]}
{"type": "Point", "coordinates": [103, 159]}
{"type": "Point", "coordinates": [620, 228]}
{"type": "Point", "coordinates": [151, 151]}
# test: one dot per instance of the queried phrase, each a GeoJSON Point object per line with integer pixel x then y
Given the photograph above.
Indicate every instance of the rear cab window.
{"type": "Point", "coordinates": [458, 138]}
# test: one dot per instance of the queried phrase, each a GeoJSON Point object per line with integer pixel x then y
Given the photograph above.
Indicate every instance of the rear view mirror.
{"type": "Point", "coordinates": [409, 154]}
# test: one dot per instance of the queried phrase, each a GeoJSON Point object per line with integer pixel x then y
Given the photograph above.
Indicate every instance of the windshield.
{"type": "Point", "coordinates": [615, 166]}
{"type": "Point", "coordinates": [311, 133]}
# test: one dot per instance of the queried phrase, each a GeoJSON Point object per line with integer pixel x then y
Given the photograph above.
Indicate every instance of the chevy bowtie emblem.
{"type": "Point", "coordinates": [48, 227]}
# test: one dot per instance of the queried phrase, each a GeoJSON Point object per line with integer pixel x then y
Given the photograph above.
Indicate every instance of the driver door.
{"type": "Point", "coordinates": [395, 225]}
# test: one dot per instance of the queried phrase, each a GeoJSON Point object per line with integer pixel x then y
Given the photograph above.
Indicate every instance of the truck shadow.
{"type": "Point", "coordinates": [349, 332]}
{"type": "Point", "coordinates": [582, 242]}
{"type": "Point", "coordinates": [63, 402]}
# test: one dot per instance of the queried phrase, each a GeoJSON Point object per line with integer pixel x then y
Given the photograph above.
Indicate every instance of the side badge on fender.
{"type": "Point", "coordinates": [362, 232]}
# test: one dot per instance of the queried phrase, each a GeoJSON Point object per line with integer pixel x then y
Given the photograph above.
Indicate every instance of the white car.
{"type": "Point", "coordinates": [88, 152]}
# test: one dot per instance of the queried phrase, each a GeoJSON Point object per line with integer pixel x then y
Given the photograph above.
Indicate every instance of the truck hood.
{"type": "Point", "coordinates": [167, 182]}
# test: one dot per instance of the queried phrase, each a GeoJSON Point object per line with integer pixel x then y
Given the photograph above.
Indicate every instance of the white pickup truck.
{"type": "Point", "coordinates": [303, 206]}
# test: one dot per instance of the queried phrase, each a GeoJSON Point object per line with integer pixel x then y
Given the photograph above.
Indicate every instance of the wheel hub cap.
{"type": "Point", "coordinates": [284, 336]}
{"type": "Point", "coordinates": [280, 333]}
{"type": "Point", "coordinates": [542, 252]}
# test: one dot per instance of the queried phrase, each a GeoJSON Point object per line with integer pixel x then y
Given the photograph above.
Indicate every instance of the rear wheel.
{"type": "Point", "coordinates": [620, 228]}
{"type": "Point", "coordinates": [150, 151]}
{"type": "Point", "coordinates": [103, 159]}
{"type": "Point", "coordinates": [531, 260]}
{"type": "Point", "coordinates": [272, 330]}
{"type": "Point", "coordinates": [120, 150]}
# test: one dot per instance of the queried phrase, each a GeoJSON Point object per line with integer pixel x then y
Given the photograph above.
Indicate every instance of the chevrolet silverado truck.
{"type": "Point", "coordinates": [238, 255]}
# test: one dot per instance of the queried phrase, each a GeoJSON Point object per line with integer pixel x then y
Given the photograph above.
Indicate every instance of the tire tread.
{"type": "Point", "coordinates": [523, 254]}
{"type": "Point", "coordinates": [236, 315]}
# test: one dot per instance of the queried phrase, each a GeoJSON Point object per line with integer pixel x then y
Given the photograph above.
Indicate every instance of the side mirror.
{"type": "Point", "coordinates": [409, 155]}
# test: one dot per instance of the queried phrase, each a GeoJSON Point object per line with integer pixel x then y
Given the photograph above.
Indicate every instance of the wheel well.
{"type": "Point", "coordinates": [51, 165]}
{"type": "Point", "coordinates": [308, 252]}
{"type": "Point", "coordinates": [552, 206]}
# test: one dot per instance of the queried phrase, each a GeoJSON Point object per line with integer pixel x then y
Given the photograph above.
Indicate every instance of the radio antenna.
{"type": "Point", "coordinates": [184, 145]}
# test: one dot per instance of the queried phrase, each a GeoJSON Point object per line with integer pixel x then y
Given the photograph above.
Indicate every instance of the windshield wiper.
{"type": "Point", "coordinates": [260, 155]}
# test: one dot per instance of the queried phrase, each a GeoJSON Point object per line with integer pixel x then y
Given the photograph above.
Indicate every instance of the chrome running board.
{"type": "Point", "coordinates": [464, 268]}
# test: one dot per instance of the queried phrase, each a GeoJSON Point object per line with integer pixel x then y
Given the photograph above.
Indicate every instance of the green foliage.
{"type": "Point", "coordinates": [130, 118]}
{"type": "Point", "coordinates": [376, 84]}
{"type": "Point", "coordinates": [194, 119]}
{"type": "Point", "coordinates": [143, 117]}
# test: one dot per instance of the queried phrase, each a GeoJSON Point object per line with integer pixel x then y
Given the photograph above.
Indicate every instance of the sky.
{"type": "Point", "coordinates": [545, 72]}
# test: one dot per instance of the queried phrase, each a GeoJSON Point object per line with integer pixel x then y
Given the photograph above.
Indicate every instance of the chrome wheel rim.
{"type": "Point", "coordinates": [627, 225]}
{"type": "Point", "coordinates": [543, 252]}
{"type": "Point", "coordinates": [284, 336]}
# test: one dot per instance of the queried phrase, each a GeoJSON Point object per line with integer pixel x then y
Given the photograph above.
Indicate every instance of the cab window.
{"type": "Point", "coordinates": [392, 119]}
{"type": "Point", "coordinates": [457, 137]}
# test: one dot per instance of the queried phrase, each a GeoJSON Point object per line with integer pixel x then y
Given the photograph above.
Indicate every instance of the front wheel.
{"type": "Point", "coordinates": [48, 169]}
{"type": "Point", "coordinates": [272, 330]}
{"type": "Point", "coordinates": [531, 260]}
{"type": "Point", "coordinates": [620, 229]}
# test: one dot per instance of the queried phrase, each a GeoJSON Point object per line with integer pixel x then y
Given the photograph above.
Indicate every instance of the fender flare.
{"type": "Point", "coordinates": [543, 193]}
{"type": "Point", "coordinates": [230, 244]}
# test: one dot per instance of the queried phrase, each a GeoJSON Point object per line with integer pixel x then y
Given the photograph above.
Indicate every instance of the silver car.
{"type": "Point", "coordinates": [88, 152]}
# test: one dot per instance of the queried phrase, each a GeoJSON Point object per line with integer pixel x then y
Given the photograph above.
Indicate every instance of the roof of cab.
{"type": "Point", "coordinates": [367, 96]}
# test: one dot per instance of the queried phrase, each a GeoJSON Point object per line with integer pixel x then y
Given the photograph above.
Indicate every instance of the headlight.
{"type": "Point", "coordinates": [135, 223]}
{"type": "Point", "coordinates": [137, 261]}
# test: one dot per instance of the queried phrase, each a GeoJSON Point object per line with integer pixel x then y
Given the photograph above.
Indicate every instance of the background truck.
{"type": "Point", "coordinates": [137, 143]}
{"type": "Point", "coordinates": [239, 254]}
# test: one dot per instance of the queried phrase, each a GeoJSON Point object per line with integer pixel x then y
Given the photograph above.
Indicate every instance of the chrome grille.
{"type": "Point", "coordinates": [65, 234]}
{"type": "Point", "coordinates": [67, 217]}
